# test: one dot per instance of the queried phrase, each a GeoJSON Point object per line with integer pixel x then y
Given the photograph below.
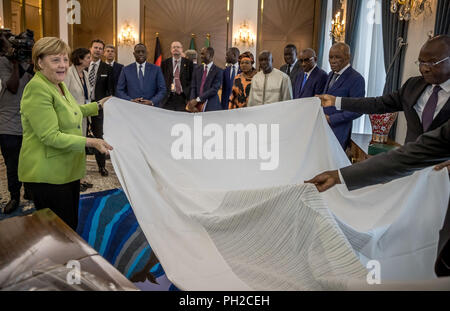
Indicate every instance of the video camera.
{"type": "Point", "coordinates": [18, 47]}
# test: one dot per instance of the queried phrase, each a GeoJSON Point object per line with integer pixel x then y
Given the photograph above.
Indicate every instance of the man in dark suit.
{"type": "Point", "coordinates": [292, 67]}
{"type": "Point", "coordinates": [342, 81]}
{"type": "Point", "coordinates": [313, 80]}
{"type": "Point", "coordinates": [425, 99]}
{"type": "Point", "coordinates": [142, 82]}
{"type": "Point", "coordinates": [431, 148]}
{"type": "Point", "coordinates": [110, 56]}
{"type": "Point", "coordinates": [206, 82]}
{"type": "Point", "coordinates": [177, 72]}
{"type": "Point", "coordinates": [101, 80]}
{"type": "Point", "coordinates": [232, 70]}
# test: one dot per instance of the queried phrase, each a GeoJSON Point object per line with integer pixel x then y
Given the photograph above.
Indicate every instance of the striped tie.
{"type": "Point", "coordinates": [92, 75]}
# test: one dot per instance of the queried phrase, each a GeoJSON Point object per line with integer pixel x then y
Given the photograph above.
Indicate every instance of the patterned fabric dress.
{"type": "Point", "coordinates": [240, 91]}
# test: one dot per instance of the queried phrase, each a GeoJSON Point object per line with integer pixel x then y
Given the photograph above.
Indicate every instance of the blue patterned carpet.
{"type": "Point", "coordinates": [107, 222]}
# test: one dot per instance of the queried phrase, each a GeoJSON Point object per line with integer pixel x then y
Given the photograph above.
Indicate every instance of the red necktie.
{"type": "Point", "coordinates": [202, 85]}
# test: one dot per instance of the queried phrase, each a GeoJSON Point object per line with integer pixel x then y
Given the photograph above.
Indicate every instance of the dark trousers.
{"type": "Point", "coordinates": [97, 130]}
{"type": "Point", "coordinates": [10, 146]}
{"type": "Point", "coordinates": [442, 266]}
{"type": "Point", "coordinates": [176, 102]}
{"type": "Point", "coordinates": [63, 200]}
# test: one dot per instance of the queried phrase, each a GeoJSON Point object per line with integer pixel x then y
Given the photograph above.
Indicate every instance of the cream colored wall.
{"type": "Point", "coordinates": [63, 28]}
{"type": "Point", "coordinates": [417, 35]}
{"type": "Point", "coordinates": [127, 11]}
{"type": "Point", "coordinates": [245, 10]}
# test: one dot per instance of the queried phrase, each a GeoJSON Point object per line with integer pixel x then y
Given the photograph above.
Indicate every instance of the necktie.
{"type": "Point", "coordinates": [333, 79]}
{"type": "Point", "coordinates": [177, 78]}
{"type": "Point", "coordinates": [289, 70]}
{"type": "Point", "coordinates": [92, 75]}
{"type": "Point", "coordinates": [202, 85]}
{"type": "Point", "coordinates": [233, 74]}
{"type": "Point", "coordinates": [430, 108]}
{"type": "Point", "coordinates": [305, 78]}
{"type": "Point", "coordinates": [141, 77]}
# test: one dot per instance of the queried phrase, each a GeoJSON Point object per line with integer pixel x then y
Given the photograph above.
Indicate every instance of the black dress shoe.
{"type": "Point", "coordinates": [103, 171]}
{"type": "Point", "coordinates": [11, 206]}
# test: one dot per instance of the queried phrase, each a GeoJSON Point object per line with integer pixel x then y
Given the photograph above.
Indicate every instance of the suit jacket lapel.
{"type": "Point", "coordinates": [442, 115]}
{"type": "Point", "coordinates": [330, 76]}
{"type": "Point", "coordinates": [415, 97]}
{"type": "Point", "coordinates": [75, 75]}
{"type": "Point", "coordinates": [310, 79]}
{"type": "Point", "coordinates": [341, 79]}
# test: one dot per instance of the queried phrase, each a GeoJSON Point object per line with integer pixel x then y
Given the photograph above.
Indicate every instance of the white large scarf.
{"type": "Point", "coordinates": [248, 221]}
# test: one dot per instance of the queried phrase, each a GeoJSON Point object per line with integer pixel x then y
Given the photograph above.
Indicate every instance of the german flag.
{"type": "Point", "coordinates": [158, 53]}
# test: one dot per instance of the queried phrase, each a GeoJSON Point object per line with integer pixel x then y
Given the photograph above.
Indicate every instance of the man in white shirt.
{"type": "Point", "coordinates": [177, 71]}
{"type": "Point", "coordinates": [270, 85]}
{"type": "Point", "coordinates": [292, 67]}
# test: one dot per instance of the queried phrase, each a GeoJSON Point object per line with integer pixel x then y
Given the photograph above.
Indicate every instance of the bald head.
{"type": "Point", "coordinates": [265, 61]}
{"type": "Point", "coordinates": [434, 68]}
{"type": "Point", "coordinates": [339, 56]}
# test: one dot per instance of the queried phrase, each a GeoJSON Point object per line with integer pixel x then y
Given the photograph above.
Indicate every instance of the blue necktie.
{"type": "Point", "coordinates": [233, 74]}
{"type": "Point", "coordinates": [141, 78]}
{"type": "Point", "coordinates": [305, 78]}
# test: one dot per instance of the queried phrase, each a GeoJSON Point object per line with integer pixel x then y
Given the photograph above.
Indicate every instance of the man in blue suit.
{"type": "Point", "coordinates": [313, 80]}
{"type": "Point", "coordinates": [206, 82]}
{"type": "Point", "coordinates": [110, 59]}
{"type": "Point", "coordinates": [142, 82]}
{"type": "Point", "coordinates": [229, 74]}
{"type": "Point", "coordinates": [343, 81]}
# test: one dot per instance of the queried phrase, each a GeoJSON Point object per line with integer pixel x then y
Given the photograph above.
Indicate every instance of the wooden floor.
{"type": "Point", "coordinates": [92, 176]}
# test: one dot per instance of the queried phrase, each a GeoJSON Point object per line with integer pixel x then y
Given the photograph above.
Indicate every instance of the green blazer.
{"type": "Point", "coordinates": [53, 147]}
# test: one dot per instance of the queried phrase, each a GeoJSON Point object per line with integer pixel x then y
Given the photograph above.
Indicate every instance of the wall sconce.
{"type": "Point", "coordinates": [338, 28]}
{"type": "Point", "coordinates": [127, 35]}
{"type": "Point", "coordinates": [244, 36]}
{"type": "Point", "coordinates": [410, 8]}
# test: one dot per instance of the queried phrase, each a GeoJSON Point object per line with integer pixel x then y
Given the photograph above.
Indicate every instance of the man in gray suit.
{"type": "Point", "coordinates": [292, 67]}
{"type": "Point", "coordinates": [431, 148]}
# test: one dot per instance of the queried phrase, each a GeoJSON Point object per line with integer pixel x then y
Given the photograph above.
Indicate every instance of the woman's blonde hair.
{"type": "Point", "coordinates": [48, 46]}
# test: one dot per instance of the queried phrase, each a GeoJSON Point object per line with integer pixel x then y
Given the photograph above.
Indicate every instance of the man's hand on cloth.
{"type": "Point", "coordinates": [444, 165]}
{"type": "Point", "coordinates": [327, 100]}
{"type": "Point", "coordinates": [325, 181]}
{"type": "Point", "coordinates": [192, 106]}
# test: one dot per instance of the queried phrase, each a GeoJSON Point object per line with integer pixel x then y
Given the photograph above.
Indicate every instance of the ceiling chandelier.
{"type": "Point", "coordinates": [408, 9]}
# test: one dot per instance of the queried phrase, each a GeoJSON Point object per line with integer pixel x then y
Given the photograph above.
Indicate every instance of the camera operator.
{"type": "Point", "coordinates": [16, 71]}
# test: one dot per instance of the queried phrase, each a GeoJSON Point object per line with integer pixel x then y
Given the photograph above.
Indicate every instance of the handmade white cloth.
{"type": "Point", "coordinates": [229, 224]}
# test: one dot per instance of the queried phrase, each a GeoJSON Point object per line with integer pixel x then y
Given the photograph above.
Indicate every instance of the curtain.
{"type": "Point", "coordinates": [351, 23]}
{"type": "Point", "coordinates": [322, 31]}
{"type": "Point", "coordinates": [442, 18]}
{"type": "Point", "coordinates": [326, 40]}
{"type": "Point", "coordinates": [368, 59]}
{"type": "Point", "coordinates": [393, 30]}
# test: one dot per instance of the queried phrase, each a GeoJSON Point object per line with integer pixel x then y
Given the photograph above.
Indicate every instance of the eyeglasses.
{"type": "Point", "coordinates": [419, 63]}
{"type": "Point", "coordinates": [306, 60]}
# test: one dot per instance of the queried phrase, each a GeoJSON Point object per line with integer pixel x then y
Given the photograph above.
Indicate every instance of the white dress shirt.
{"type": "Point", "coordinates": [309, 72]}
{"type": "Point", "coordinates": [111, 63]}
{"type": "Point", "coordinates": [208, 68]}
{"type": "Point", "coordinates": [236, 69]}
{"type": "Point", "coordinates": [143, 68]}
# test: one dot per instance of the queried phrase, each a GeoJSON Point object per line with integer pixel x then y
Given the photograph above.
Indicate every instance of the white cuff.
{"type": "Point", "coordinates": [341, 178]}
{"type": "Point", "coordinates": [338, 103]}
{"type": "Point", "coordinates": [198, 99]}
